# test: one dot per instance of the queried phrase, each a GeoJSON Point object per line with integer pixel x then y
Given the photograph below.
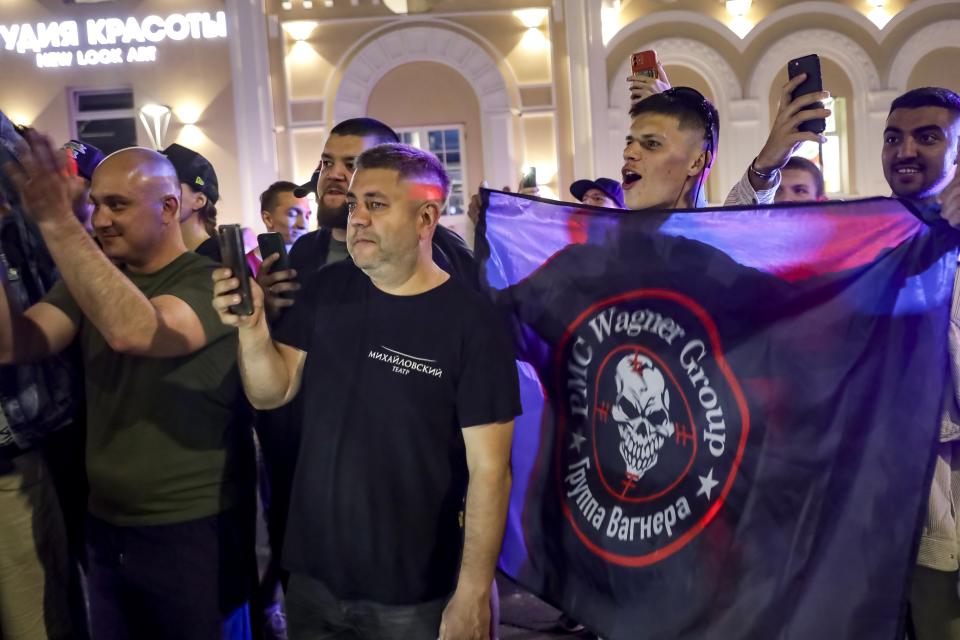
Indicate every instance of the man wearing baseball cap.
{"type": "Point", "coordinates": [200, 192]}
{"type": "Point", "coordinates": [602, 192]}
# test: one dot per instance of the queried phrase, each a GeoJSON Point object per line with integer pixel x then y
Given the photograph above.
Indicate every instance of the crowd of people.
{"type": "Point", "coordinates": [363, 413]}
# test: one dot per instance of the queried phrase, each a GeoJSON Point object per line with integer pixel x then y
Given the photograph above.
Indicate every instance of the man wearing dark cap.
{"type": "Point", "coordinates": [199, 194]}
{"type": "Point", "coordinates": [602, 192]}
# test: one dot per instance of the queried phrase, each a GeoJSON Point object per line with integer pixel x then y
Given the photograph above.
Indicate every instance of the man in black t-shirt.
{"type": "Point", "coordinates": [410, 390]}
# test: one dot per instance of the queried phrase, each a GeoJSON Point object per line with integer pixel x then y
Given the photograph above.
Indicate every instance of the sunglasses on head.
{"type": "Point", "coordinates": [704, 107]}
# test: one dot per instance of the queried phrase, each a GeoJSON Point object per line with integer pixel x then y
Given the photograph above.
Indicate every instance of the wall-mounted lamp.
{"type": "Point", "coordinates": [300, 30]}
{"type": "Point", "coordinates": [738, 22]}
{"type": "Point", "coordinates": [878, 14]}
{"type": "Point", "coordinates": [408, 6]}
{"type": "Point", "coordinates": [610, 19]}
{"type": "Point", "coordinates": [531, 18]}
{"type": "Point", "coordinates": [155, 119]}
{"type": "Point", "coordinates": [188, 113]}
{"type": "Point", "coordinates": [738, 8]}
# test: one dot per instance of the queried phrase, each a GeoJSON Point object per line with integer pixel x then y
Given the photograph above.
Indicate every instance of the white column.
{"type": "Point", "coordinates": [610, 160]}
{"type": "Point", "coordinates": [588, 85]}
{"type": "Point", "coordinates": [252, 104]}
{"type": "Point", "coordinates": [742, 135]}
{"type": "Point", "coordinates": [499, 165]}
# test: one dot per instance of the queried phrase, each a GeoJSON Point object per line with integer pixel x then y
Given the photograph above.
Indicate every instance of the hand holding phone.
{"type": "Point", "coordinates": [799, 105]}
{"type": "Point", "coordinates": [272, 243]}
{"type": "Point", "coordinates": [234, 258]}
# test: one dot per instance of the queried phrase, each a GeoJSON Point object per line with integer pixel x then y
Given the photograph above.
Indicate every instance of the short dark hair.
{"type": "Point", "coordinates": [928, 97]}
{"type": "Point", "coordinates": [798, 163]}
{"type": "Point", "coordinates": [268, 199]}
{"type": "Point", "coordinates": [366, 128]}
{"type": "Point", "coordinates": [409, 162]}
{"type": "Point", "coordinates": [690, 107]}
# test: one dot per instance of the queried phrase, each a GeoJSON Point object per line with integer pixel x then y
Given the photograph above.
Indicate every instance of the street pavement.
{"type": "Point", "coordinates": [523, 616]}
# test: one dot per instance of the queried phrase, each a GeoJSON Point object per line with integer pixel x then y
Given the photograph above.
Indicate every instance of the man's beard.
{"type": "Point", "coordinates": [332, 217]}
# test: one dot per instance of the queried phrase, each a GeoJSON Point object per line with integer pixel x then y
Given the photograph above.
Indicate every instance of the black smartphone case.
{"type": "Point", "coordinates": [271, 243]}
{"type": "Point", "coordinates": [809, 65]}
{"type": "Point", "coordinates": [234, 258]}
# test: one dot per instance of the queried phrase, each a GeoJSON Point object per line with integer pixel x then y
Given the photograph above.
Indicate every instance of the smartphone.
{"type": "Point", "coordinates": [809, 65]}
{"type": "Point", "coordinates": [235, 258]}
{"type": "Point", "coordinates": [644, 63]}
{"type": "Point", "coordinates": [529, 179]}
{"type": "Point", "coordinates": [271, 243]}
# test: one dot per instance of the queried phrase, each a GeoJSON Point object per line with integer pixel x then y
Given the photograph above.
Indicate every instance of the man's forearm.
{"type": "Point", "coordinates": [266, 379]}
{"type": "Point", "coordinates": [488, 495]}
{"type": "Point", "coordinates": [124, 316]}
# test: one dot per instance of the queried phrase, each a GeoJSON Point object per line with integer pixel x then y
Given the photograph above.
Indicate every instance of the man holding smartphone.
{"type": "Point", "coordinates": [168, 452]}
{"type": "Point", "coordinates": [403, 420]}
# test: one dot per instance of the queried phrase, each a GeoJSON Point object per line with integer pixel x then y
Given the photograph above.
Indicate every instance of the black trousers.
{"type": "Point", "coordinates": [182, 581]}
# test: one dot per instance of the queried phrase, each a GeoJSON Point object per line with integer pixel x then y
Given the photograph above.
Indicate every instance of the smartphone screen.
{"type": "Point", "coordinates": [234, 258]}
{"type": "Point", "coordinates": [529, 180]}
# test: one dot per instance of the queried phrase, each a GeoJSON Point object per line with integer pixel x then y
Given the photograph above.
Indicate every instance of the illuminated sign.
{"type": "Point", "coordinates": [108, 40]}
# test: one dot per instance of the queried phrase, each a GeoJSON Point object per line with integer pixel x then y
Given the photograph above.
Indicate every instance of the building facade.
{"type": "Point", "coordinates": [491, 86]}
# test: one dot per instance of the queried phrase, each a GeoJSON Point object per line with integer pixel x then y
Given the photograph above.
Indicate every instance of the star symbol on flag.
{"type": "Point", "coordinates": [707, 483]}
{"type": "Point", "coordinates": [578, 441]}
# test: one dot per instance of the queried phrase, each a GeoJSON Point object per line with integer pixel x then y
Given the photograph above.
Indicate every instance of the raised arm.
{"type": "Point", "coordinates": [271, 371]}
{"type": "Point", "coordinates": [759, 184]}
{"type": "Point", "coordinates": [130, 322]}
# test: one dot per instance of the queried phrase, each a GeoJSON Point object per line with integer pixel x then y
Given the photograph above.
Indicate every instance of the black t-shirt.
{"type": "Point", "coordinates": [211, 249]}
{"type": "Point", "coordinates": [389, 381]}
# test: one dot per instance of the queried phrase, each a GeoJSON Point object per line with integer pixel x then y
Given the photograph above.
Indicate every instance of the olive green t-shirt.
{"type": "Point", "coordinates": [168, 439]}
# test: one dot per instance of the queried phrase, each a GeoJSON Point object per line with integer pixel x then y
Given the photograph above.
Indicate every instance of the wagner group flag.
{"type": "Point", "coordinates": [729, 415]}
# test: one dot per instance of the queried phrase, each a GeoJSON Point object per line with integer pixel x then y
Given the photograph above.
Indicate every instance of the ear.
{"type": "Point", "coordinates": [200, 200]}
{"type": "Point", "coordinates": [267, 220]}
{"type": "Point", "coordinates": [428, 214]}
{"type": "Point", "coordinates": [171, 209]}
{"type": "Point", "coordinates": [699, 164]}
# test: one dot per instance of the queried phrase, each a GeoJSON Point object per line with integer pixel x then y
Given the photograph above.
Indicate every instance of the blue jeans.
{"type": "Point", "coordinates": [314, 613]}
{"type": "Point", "coordinates": [184, 581]}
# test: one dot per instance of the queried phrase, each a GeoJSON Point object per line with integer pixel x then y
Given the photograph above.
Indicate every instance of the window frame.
{"type": "Point", "coordinates": [73, 101]}
{"type": "Point", "coordinates": [423, 133]}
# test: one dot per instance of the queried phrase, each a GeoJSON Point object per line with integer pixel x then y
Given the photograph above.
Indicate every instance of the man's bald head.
{"type": "Point", "coordinates": [141, 167]}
